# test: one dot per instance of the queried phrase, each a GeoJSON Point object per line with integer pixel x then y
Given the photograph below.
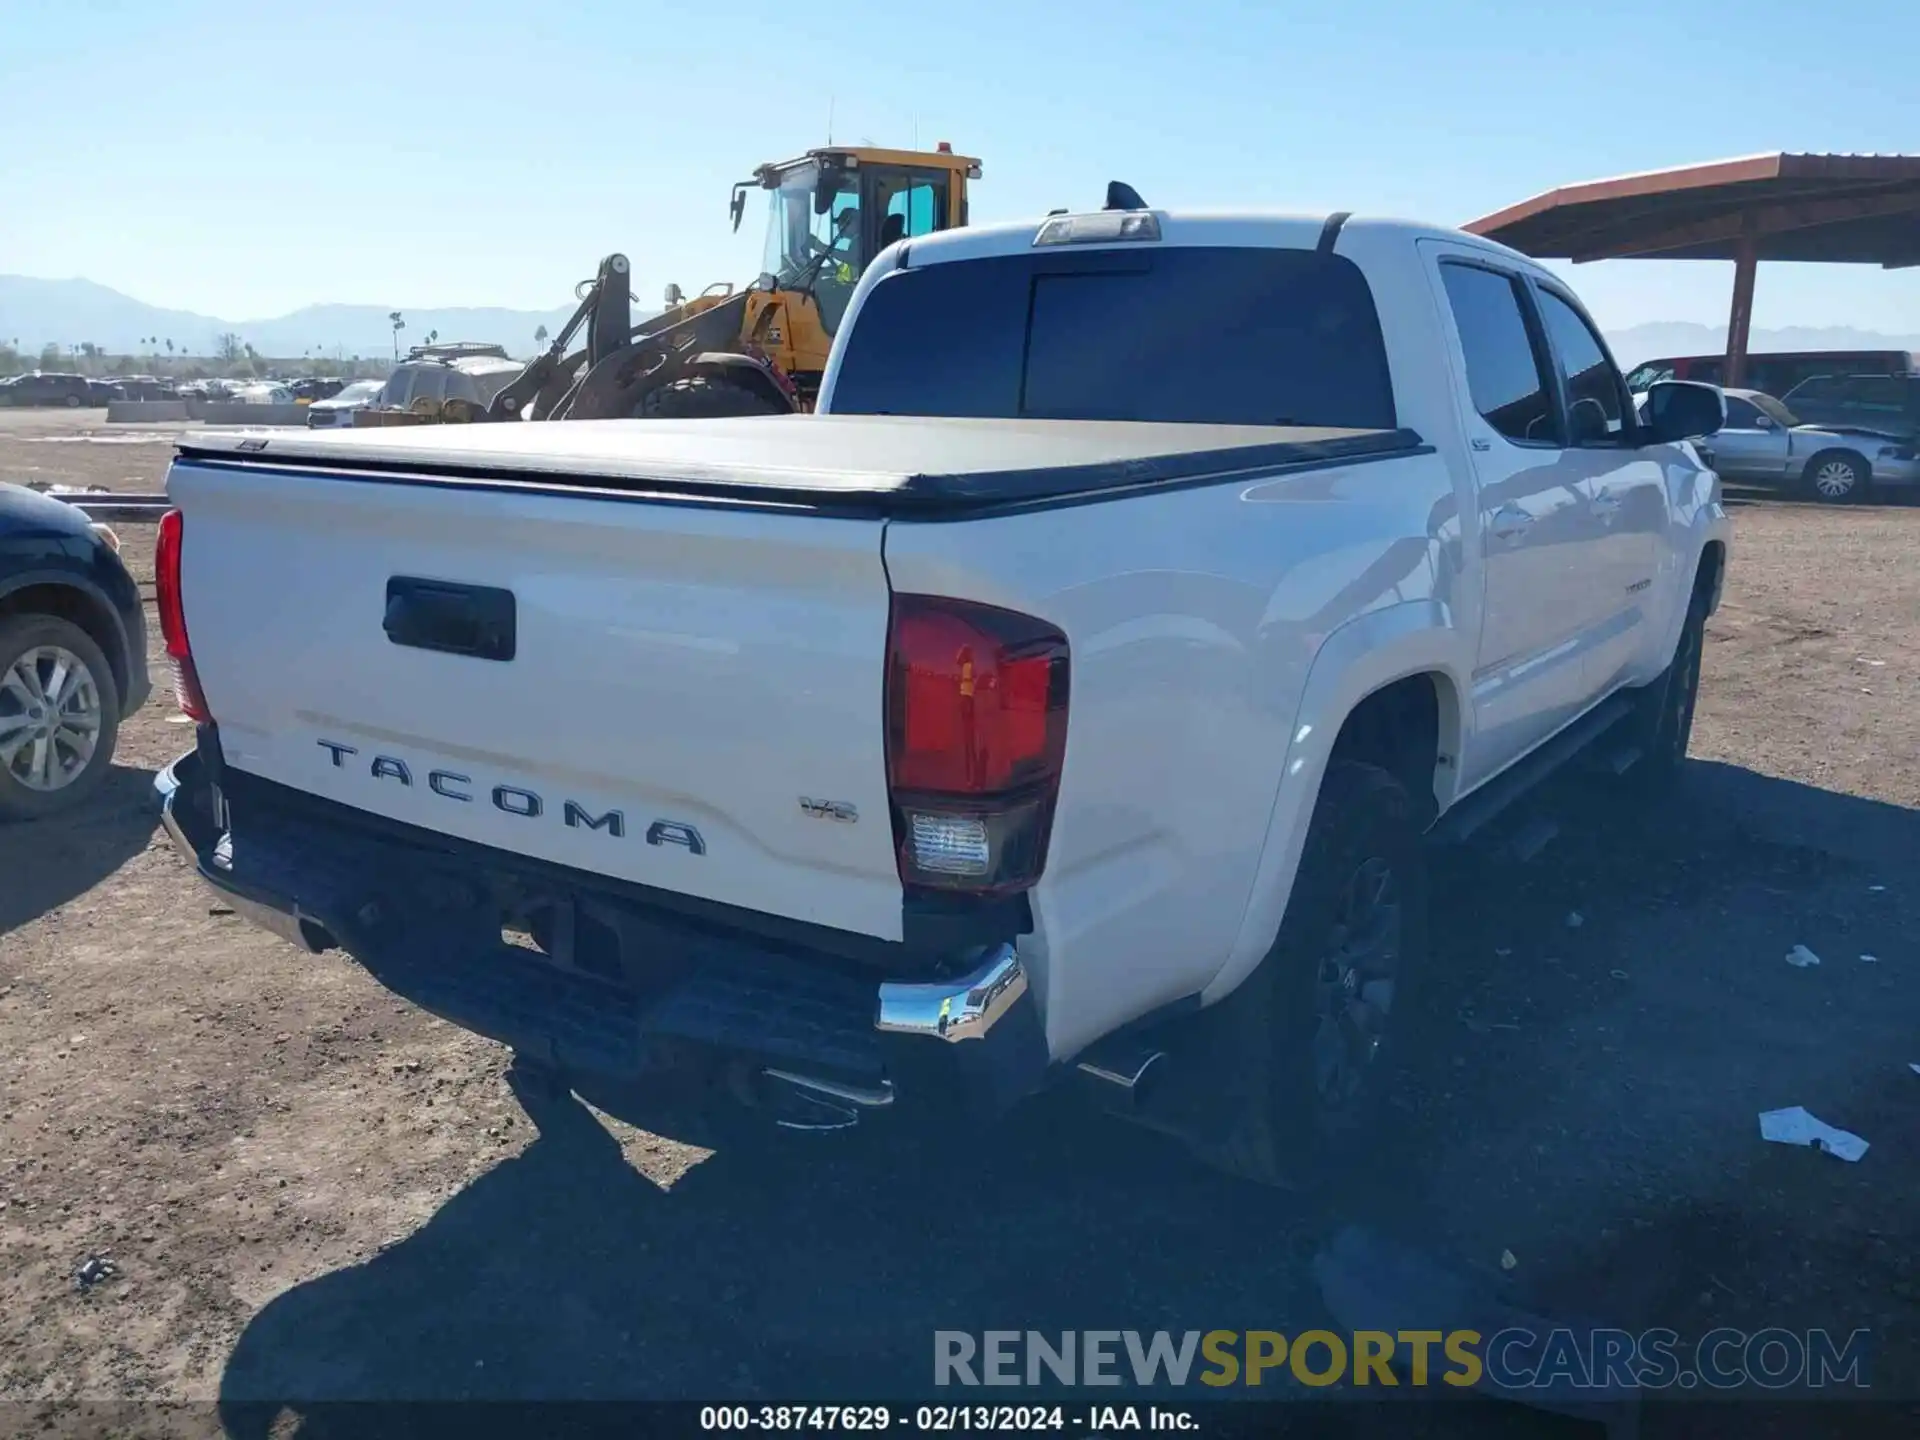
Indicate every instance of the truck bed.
{"type": "Point", "coordinates": [877, 466]}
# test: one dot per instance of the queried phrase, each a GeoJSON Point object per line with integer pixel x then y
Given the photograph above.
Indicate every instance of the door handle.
{"type": "Point", "coordinates": [1508, 522]}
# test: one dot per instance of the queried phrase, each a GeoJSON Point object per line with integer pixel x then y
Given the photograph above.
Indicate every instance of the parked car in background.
{"type": "Point", "coordinates": [1765, 442]}
{"type": "Point", "coordinates": [1883, 404]}
{"type": "Point", "coordinates": [73, 653]}
{"type": "Point", "coordinates": [315, 387]}
{"type": "Point", "coordinates": [1776, 373]}
{"type": "Point", "coordinates": [339, 410]}
{"type": "Point", "coordinates": [442, 390]}
{"type": "Point", "coordinates": [47, 387]}
{"type": "Point", "coordinates": [264, 392]}
{"type": "Point", "coordinates": [131, 387]}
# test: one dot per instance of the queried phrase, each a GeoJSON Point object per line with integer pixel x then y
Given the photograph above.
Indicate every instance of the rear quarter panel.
{"type": "Point", "coordinates": [1194, 619]}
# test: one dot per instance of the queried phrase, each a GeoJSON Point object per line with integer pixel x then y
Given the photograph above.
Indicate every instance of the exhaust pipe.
{"type": "Point", "coordinates": [814, 1103]}
{"type": "Point", "coordinates": [1121, 1076]}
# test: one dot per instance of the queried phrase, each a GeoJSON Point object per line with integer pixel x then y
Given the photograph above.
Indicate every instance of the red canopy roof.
{"type": "Point", "coordinates": [1859, 209]}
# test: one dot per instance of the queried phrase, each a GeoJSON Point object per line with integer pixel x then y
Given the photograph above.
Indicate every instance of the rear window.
{"type": "Point", "coordinates": [1232, 336]}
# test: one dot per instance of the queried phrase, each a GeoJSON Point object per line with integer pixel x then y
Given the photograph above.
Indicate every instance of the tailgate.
{"type": "Point", "coordinates": [646, 691]}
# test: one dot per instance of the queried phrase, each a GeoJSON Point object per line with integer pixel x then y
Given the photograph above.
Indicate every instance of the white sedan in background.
{"type": "Point", "coordinates": [262, 393]}
{"type": "Point", "coordinates": [338, 410]}
{"type": "Point", "coordinates": [1764, 443]}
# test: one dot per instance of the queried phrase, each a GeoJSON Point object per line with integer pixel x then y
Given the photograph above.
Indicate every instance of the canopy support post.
{"type": "Point", "coordinates": [1746, 262]}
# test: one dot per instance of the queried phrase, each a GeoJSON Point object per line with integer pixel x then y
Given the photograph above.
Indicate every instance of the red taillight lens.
{"type": "Point", "coordinates": [173, 619]}
{"type": "Point", "coordinates": [976, 735]}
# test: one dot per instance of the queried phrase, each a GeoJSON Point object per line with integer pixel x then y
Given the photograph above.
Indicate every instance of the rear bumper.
{"type": "Point", "coordinates": [657, 992]}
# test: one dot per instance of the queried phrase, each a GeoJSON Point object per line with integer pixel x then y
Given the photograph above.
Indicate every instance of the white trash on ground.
{"type": "Point", "coordinates": [1794, 1126]}
{"type": "Point", "coordinates": [1801, 957]}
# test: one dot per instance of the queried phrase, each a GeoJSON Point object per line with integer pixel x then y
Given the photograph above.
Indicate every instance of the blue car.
{"type": "Point", "coordinates": [73, 653]}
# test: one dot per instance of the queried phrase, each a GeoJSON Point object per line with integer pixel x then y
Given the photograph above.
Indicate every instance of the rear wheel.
{"type": "Point", "coordinates": [59, 716]}
{"type": "Point", "coordinates": [73, 402]}
{"type": "Point", "coordinates": [1837, 476]}
{"type": "Point", "coordinates": [1331, 1012]}
{"type": "Point", "coordinates": [703, 397]}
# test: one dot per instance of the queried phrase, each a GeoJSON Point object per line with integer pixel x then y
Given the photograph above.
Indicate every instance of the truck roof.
{"type": "Point", "coordinates": [1280, 229]}
{"type": "Point", "coordinates": [870, 464]}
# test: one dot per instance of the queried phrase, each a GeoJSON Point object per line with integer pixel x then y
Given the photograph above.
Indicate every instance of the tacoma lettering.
{"type": "Point", "coordinates": [517, 801]}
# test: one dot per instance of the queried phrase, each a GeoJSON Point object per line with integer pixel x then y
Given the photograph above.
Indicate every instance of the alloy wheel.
{"type": "Point", "coordinates": [1354, 993]}
{"type": "Point", "coordinates": [50, 717]}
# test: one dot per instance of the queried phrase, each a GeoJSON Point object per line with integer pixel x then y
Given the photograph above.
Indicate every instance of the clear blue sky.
{"type": "Point", "coordinates": [247, 157]}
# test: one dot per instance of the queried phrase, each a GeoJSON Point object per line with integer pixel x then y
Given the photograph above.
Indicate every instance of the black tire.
{"type": "Point", "coordinates": [1305, 1120]}
{"type": "Point", "coordinates": [18, 635]}
{"type": "Point", "coordinates": [1836, 477]}
{"type": "Point", "coordinates": [1663, 718]}
{"type": "Point", "coordinates": [703, 397]}
{"type": "Point", "coordinates": [73, 402]}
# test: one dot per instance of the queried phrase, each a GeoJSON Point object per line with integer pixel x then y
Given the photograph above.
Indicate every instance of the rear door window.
{"type": "Point", "coordinates": [1229, 335]}
{"type": "Point", "coordinates": [1506, 378]}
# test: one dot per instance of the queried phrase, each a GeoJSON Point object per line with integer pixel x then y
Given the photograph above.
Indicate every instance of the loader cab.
{"type": "Point", "coordinates": [832, 210]}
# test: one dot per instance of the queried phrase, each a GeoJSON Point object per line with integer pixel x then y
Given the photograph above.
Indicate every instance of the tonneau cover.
{"type": "Point", "coordinates": [882, 464]}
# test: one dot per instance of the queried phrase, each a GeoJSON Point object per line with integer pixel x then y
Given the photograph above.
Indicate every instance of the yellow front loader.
{"type": "Point", "coordinates": [758, 350]}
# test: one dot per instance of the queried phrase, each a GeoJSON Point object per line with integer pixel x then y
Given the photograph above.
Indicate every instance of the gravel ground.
{"type": "Point", "coordinates": [307, 1189]}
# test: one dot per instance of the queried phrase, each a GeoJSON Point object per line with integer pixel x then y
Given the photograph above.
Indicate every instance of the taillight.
{"type": "Point", "coordinates": [976, 734]}
{"type": "Point", "coordinates": [173, 619]}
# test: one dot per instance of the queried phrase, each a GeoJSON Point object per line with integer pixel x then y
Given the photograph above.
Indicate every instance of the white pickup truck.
{"type": "Point", "coordinates": [1072, 697]}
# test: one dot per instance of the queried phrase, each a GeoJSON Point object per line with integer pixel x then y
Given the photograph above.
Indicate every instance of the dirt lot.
{"type": "Point", "coordinates": [308, 1190]}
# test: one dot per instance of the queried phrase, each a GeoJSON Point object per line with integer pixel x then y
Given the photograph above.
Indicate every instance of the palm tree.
{"type": "Point", "coordinates": [540, 335]}
{"type": "Point", "coordinates": [398, 325]}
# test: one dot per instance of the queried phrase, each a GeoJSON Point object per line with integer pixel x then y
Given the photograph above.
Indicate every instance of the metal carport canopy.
{"type": "Point", "coordinates": [1842, 209]}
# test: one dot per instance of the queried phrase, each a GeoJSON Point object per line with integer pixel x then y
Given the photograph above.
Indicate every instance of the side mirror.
{"type": "Point", "coordinates": [1683, 410]}
{"type": "Point", "coordinates": [737, 206]}
{"type": "Point", "coordinates": [1763, 422]}
{"type": "Point", "coordinates": [675, 296]}
{"type": "Point", "coordinates": [825, 191]}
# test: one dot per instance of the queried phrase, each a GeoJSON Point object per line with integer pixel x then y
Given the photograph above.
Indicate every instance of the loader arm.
{"type": "Point", "coordinates": [605, 312]}
{"type": "Point", "coordinates": [613, 384]}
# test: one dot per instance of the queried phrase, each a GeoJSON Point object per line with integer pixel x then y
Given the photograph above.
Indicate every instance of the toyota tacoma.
{"type": "Point", "coordinates": [1074, 697]}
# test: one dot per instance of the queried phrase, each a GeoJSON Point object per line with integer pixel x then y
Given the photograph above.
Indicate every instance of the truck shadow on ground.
{"type": "Point", "coordinates": [46, 863]}
{"type": "Point", "coordinates": [823, 1269]}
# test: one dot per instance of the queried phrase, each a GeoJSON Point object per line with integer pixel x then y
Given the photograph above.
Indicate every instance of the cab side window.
{"type": "Point", "coordinates": [1596, 401]}
{"type": "Point", "coordinates": [918, 207]}
{"type": "Point", "coordinates": [1504, 374]}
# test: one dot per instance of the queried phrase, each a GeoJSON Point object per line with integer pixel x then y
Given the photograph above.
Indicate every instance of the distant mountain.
{"type": "Point", "coordinates": [1661, 337]}
{"type": "Point", "coordinates": [70, 312]}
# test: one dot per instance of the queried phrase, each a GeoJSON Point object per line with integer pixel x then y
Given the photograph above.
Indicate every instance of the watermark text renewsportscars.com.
{"type": "Point", "coordinates": [1514, 1359]}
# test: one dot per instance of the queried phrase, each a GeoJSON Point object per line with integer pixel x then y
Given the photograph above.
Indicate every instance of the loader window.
{"type": "Point", "coordinates": [911, 205]}
{"type": "Point", "coordinates": [820, 251]}
{"type": "Point", "coordinates": [797, 237]}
